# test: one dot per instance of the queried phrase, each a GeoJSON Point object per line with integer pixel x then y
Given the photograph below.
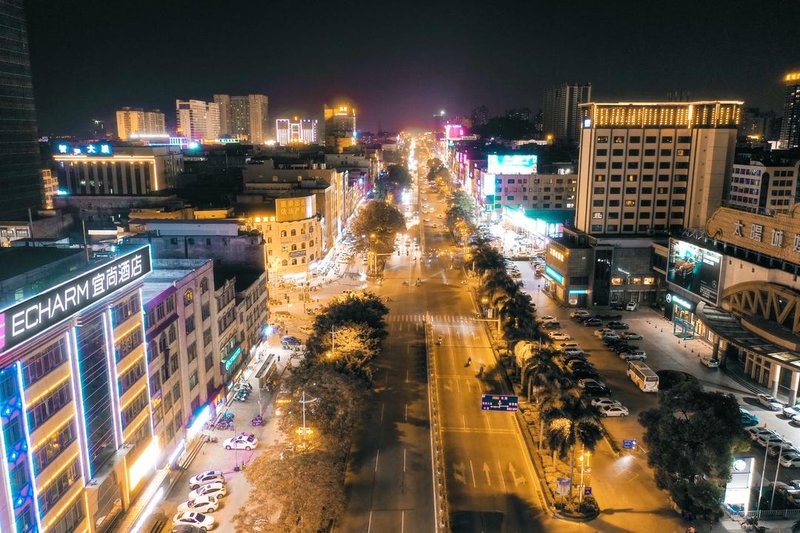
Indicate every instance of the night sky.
{"type": "Point", "coordinates": [400, 61]}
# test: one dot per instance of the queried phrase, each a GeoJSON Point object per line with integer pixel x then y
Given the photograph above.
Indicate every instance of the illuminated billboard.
{"type": "Point", "coordinates": [512, 164]}
{"type": "Point", "coordinates": [695, 269]}
{"type": "Point", "coordinates": [489, 185]}
{"type": "Point", "coordinates": [453, 132]}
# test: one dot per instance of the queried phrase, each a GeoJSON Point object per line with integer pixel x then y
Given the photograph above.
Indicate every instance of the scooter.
{"type": "Point", "coordinates": [257, 421]}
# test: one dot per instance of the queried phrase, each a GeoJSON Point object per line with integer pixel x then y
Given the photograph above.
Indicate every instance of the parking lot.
{"type": "Point", "coordinates": [664, 351]}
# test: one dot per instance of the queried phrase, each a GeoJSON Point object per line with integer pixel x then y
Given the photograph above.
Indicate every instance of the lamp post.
{"type": "Point", "coordinates": [584, 458]}
{"type": "Point", "coordinates": [304, 402]}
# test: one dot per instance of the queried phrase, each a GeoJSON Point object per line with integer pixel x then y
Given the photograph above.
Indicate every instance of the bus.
{"type": "Point", "coordinates": [643, 376]}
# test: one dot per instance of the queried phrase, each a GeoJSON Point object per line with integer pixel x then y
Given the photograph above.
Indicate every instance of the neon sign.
{"type": "Point", "coordinates": [104, 149]}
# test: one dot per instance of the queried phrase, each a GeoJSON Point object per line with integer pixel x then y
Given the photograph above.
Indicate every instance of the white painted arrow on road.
{"type": "Point", "coordinates": [486, 471]}
{"type": "Point", "coordinates": [517, 480]}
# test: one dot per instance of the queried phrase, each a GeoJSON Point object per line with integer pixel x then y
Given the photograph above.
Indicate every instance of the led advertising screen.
{"type": "Point", "coordinates": [512, 164]}
{"type": "Point", "coordinates": [489, 185]}
{"type": "Point", "coordinates": [695, 269]}
{"type": "Point", "coordinates": [453, 132]}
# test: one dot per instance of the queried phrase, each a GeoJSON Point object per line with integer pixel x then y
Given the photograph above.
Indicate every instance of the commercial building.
{"type": "Point", "coordinates": [340, 127]}
{"type": "Point", "coordinates": [49, 188]}
{"type": "Point", "coordinates": [198, 120]}
{"type": "Point", "coordinates": [790, 127]}
{"type": "Point", "coordinates": [295, 131]}
{"type": "Point", "coordinates": [766, 184]}
{"type": "Point", "coordinates": [101, 169]}
{"type": "Point", "coordinates": [734, 284]}
{"type": "Point", "coordinates": [76, 426]}
{"type": "Point", "coordinates": [184, 360]}
{"type": "Point", "coordinates": [137, 122]}
{"type": "Point", "coordinates": [244, 117]}
{"type": "Point", "coordinates": [19, 149]}
{"type": "Point", "coordinates": [650, 167]}
{"type": "Point", "coordinates": [561, 113]}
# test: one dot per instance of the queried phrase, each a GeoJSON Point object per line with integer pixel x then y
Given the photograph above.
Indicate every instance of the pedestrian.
{"type": "Point", "coordinates": [279, 358]}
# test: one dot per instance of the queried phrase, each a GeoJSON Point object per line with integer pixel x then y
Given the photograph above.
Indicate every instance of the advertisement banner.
{"type": "Point", "coordinates": [511, 164]}
{"type": "Point", "coordinates": [695, 269]}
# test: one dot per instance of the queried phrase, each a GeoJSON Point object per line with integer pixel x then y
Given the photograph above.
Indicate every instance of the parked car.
{"type": "Point", "coordinates": [599, 333]}
{"type": "Point", "coordinates": [633, 355]}
{"type": "Point", "coordinates": [781, 447]}
{"type": "Point", "coordinates": [602, 402]}
{"type": "Point", "coordinates": [630, 336]}
{"type": "Point", "coordinates": [610, 339]}
{"type": "Point", "coordinates": [614, 410]}
{"type": "Point", "coordinates": [590, 382]}
{"type": "Point", "coordinates": [631, 306]}
{"type": "Point", "coordinates": [790, 460]}
{"type": "Point", "coordinates": [584, 372]}
{"type": "Point", "coordinates": [203, 504]}
{"type": "Point", "coordinates": [547, 318]}
{"type": "Point", "coordinates": [755, 432]}
{"type": "Point", "coordinates": [592, 322]}
{"type": "Point", "coordinates": [240, 442]}
{"type": "Point", "coordinates": [559, 336]}
{"type": "Point", "coordinates": [593, 389]}
{"type": "Point", "coordinates": [209, 476]}
{"type": "Point", "coordinates": [573, 351]}
{"type": "Point", "coordinates": [710, 362]}
{"type": "Point", "coordinates": [551, 325]}
{"type": "Point", "coordinates": [766, 439]}
{"type": "Point", "coordinates": [748, 419]}
{"type": "Point", "coordinates": [213, 491]}
{"type": "Point", "coordinates": [185, 528]}
{"type": "Point", "coordinates": [769, 402]}
{"type": "Point", "coordinates": [617, 306]}
{"type": "Point", "coordinates": [579, 313]}
{"type": "Point", "coordinates": [194, 519]}
{"type": "Point", "coordinates": [790, 412]}
{"type": "Point", "coordinates": [622, 346]}
{"type": "Point", "coordinates": [617, 325]}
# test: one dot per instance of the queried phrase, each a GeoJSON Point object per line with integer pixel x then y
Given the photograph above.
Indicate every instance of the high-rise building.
{"type": "Point", "coordinates": [132, 122]}
{"type": "Point", "coordinates": [295, 131]}
{"type": "Point", "coordinates": [561, 116]}
{"type": "Point", "coordinates": [768, 184]}
{"type": "Point", "coordinates": [244, 117]}
{"type": "Point", "coordinates": [790, 128]}
{"type": "Point", "coordinates": [19, 150]}
{"type": "Point", "coordinates": [197, 119]}
{"type": "Point", "coordinates": [648, 167]}
{"type": "Point", "coordinates": [340, 126]}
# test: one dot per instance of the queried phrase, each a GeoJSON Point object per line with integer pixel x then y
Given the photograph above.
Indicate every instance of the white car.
{"type": "Point", "coordinates": [209, 476]}
{"type": "Point", "coordinates": [633, 355]}
{"type": "Point", "coordinates": [203, 504]}
{"type": "Point", "coordinates": [614, 410]}
{"type": "Point", "coordinates": [213, 491]}
{"type": "Point", "coordinates": [579, 313]}
{"type": "Point", "coordinates": [791, 412]}
{"type": "Point", "coordinates": [604, 402]}
{"type": "Point", "coordinates": [559, 336]}
{"type": "Point", "coordinates": [573, 351]}
{"type": "Point", "coordinates": [547, 318]}
{"type": "Point", "coordinates": [631, 306]}
{"type": "Point", "coordinates": [769, 402]}
{"type": "Point", "coordinates": [240, 442]}
{"type": "Point", "coordinates": [193, 519]}
{"type": "Point", "coordinates": [630, 336]}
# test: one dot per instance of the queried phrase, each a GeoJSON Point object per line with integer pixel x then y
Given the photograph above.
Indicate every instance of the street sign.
{"type": "Point", "coordinates": [498, 402]}
{"type": "Point", "coordinates": [629, 444]}
{"type": "Point", "coordinates": [563, 486]}
{"type": "Point", "coordinates": [587, 491]}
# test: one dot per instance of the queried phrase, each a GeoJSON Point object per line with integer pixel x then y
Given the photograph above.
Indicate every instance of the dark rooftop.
{"type": "Point", "coordinates": [15, 261]}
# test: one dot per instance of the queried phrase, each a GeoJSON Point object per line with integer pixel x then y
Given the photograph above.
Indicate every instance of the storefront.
{"type": "Point", "coordinates": [686, 324]}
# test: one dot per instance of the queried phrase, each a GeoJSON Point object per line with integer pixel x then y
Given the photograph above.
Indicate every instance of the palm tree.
{"type": "Point", "coordinates": [796, 527]}
{"type": "Point", "coordinates": [574, 423]}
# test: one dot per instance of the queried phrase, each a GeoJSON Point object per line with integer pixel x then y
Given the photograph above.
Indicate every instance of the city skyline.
{"type": "Point", "coordinates": [429, 61]}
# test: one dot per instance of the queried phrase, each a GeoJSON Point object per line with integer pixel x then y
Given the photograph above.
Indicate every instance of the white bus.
{"type": "Point", "coordinates": [643, 376]}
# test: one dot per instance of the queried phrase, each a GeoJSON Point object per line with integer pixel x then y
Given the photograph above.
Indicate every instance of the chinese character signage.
{"type": "Point", "coordinates": [695, 269]}
{"type": "Point", "coordinates": [288, 209]}
{"type": "Point", "coordinates": [25, 319]}
{"type": "Point", "coordinates": [775, 235]}
{"type": "Point", "coordinates": [499, 402]}
{"type": "Point", "coordinates": [92, 149]}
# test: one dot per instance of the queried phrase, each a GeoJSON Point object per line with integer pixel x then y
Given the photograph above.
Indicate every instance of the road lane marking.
{"type": "Point", "coordinates": [502, 477]}
{"type": "Point", "coordinates": [464, 421]}
{"type": "Point", "coordinates": [486, 471]}
{"type": "Point", "coordinates": [488, 420]}
{"type": "Point", "coordinates": [406, 375]}
{"type": "Point", "coordinates": [383, 408]}
{"type": "Point", "coordinates": [404, 459]}
{"type": "Point", "coordinates": [472, 471]}
{"type": "Point", "coordinates": [402, 521]}
{"type": "Point", "coordinates": [369, 524]}
{"type": "Point", "coordinates": [377, 456]}
{"type": "Point", "coordinates": [387, 377]}
{"type": "Point", "coordinates": [406, 415]}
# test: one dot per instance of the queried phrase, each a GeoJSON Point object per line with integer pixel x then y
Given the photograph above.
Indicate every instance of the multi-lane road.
{"type": "Point", "coordinates": [490, 482]}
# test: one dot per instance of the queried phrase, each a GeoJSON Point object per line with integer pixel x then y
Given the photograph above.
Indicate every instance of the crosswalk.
{"type": "Point", "coordinates": [421, 317]}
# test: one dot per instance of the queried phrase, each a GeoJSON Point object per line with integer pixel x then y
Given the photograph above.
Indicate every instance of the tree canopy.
{"type": "Point", "coordinates": [376, 227]}
{"type": "Point", "coordinates": [391, 182]}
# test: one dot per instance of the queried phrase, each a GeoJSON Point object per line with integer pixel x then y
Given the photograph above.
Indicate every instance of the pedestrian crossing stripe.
{"type": "Point", "coordinates": [421, 317]}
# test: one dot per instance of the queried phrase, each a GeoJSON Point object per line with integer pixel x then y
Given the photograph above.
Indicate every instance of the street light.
{"type": "Point", "coordinates": [584, 459]}
{"type": "Point", "coordinates": [305, 430]}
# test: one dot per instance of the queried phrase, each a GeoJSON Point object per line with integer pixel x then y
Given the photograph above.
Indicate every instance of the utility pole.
{"type": "Point", "coordinates": [304, 402]}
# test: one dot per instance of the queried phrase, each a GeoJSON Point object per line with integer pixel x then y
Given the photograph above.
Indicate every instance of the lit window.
{"type": "Point", "coordinates": [616, 281]}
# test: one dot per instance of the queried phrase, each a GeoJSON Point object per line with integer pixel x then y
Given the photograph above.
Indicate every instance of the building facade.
{"type": "Point", "coordinates": [76, 429]}
{"type": "Point", "coordinates": [561, 112]}
{"type": "Point", "coordinates": [198, 120]}
{"type": "Point", "coordinates": [128, 170]}
{"type": "Point", "coordinates": [790, 127]}
{"type": "Point", "coordinates": [646, 168]}
{"type": "Point", "coordinates": [19, 149]}
{"type": "Point", "coordinates": [244, 117]}
{"type": "Point", "coordinates": [136, 122]}
{"type": "Point", "coordinates": [340, 126]}
{"type": "Point", "coordinates": [295, 131]}
{"type": "Point", "coordinates": [770, 185]}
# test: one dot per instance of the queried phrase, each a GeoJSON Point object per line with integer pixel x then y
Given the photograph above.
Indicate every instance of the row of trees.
{"type": "Point", "coordinates": [568, 423]}
{"type": "Point", "coordinates": [298, 486]}
{"type": "Point", "coordinates": [460, 218]}
{"type": "Point", "coordinates": [391, 182]}
{"type": "Point", "coordinates": [375, 229]}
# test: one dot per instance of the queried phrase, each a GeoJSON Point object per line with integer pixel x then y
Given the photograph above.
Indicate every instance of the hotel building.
{"type": "Point", "coordinates": [790, 128]}
{"type": "Point", "coordinates": [138, 122]}
{"type": "Point", "coordinates": [198, 120]}
{"type": "Point", "coordinates": [650, 167]}
{"type": "Point", "coordinates": [76, 426]}
{"type": "Point", "coordinates": [105, 170]}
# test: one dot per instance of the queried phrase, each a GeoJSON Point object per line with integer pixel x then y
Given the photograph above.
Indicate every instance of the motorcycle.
{"type": "Point", "coordinates": [257, 421]}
